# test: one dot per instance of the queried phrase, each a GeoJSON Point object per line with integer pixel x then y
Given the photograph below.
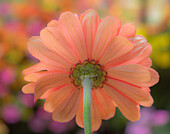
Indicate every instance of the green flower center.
{"type": "Point", "coordinates": [88, 69]}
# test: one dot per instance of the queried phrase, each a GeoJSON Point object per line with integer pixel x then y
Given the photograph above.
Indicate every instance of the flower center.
{"type": "Point", "coordinates": [88, 69]}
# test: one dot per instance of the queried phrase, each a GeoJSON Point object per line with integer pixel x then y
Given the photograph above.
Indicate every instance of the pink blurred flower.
{"type": "Point", "coordinates": [57, 127]}
{"type": "Point", "coordinates": [41, 114]}
{"type": "Point", "coordinates": [34, 28]}
{"type": "Point", "coordinates": [5, 9]}
{"type": "Point", "coordinates": [37, 125]}
{"type": "Point", "coordinates": [150, 118]}
{"type": "Point", "coordinates": [11, 113]}
{"type": "Point", "coordinates": [160, 117]}
{"type": "Point", "coordinates": [7, 76]}
{"type": "Point", "coordinates": [138, 129]}
{"type": "Point", "coordinates": [27, 99]}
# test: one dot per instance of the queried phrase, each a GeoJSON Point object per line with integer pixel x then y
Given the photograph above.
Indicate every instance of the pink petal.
{"type": "Point", "coordinates": [107, 30]}
{"type": "Point", "coordinates": [57, 97]}
{"type": "Point", "coordinates": [53, 23]}
{"type": "Point", "coordinates": [39, 51]}
{"type": "Point", "coordinates": [137, 94]}
{"type": "Point", "coordinates": [154, 77]}
{"type": "Point", "coordinates": [140, 52]}
{"type": "Point", "coordinates": [38, 67]}
{"type": "Point", "coordinates": [117, 47]}
{"type": "Point", "coordinates": [29, 88]}
{"type": "Point", "coordinates": [68, 108]}
{"type": "Point", "coordinates": [104, 103]}
{"type": "Point", "coordinates": [90, 21]}
{"type": "Point", "coordinates": [96, 118]}
{"type": "Point", "coordinates": [79, 114]}
{"type": "Point", "coordinates": [33, 77]}
{"type": "Point", "coordinates": [127, 30]}
{"type": "Point", "coordinates": [127, 107]}
{"type": "Point", "coordinates": [55, 40]}
{"type": "Point", "coordinates": [55, 79]}
{"type": "Point", "coordinates": [147, 62]}
{"type": "Point", "coordinates": [52, 90]}
{"type": "Point", "coordinates": [135, 74]}
{"type": "Point", "coordinates": [73, 32]}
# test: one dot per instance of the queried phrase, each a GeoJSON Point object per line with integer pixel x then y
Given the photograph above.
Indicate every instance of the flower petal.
{"type": "Point", "coordinates": [96, 118]}
{"type": "Point", "coordinates": [140, 52]}
{"type": "Point", "coordinates": [55, 40]}
{"type": "Point", "coordinates": [128, 108]}
{"type": "Point", "coordinates": [141, 56]}
{"type": "Point", "coordinates": [73, 32]}
{"type": "Point", "coordinates": [55, 79]}
{"type": "Point", "coordinates": [68, 108]}
{"type": "Point", "coordinates": [135, 74]}
{"type": "Point", "coordinates": [53, 23]}
{"type": "Point", "coordinates": [117, 47]}
{"type": "Point", "coordinates": [33, 77]}
{"type": "Point", "coordinates": [38, 67]}
{"type": "Point", "coordinates": [107, 30]}
{"type": "Point", "coordinates": [138, 94]}
{"type": "Point", "coordinates": [90, 21]}
{"type": "Point", "coordinates": [39, 51]}
{"type": "Point", "coordinates": [57, 97]}
{"type": "Point", "coordinates": [79, 114]}
{"type": "Point", "coordinates": [29, 88]}
{"type": "Point", "coordinates": [147, 62]}
{"type": "Point", "coordinates": [154, 77]}
{"type": "Point", "coordinates": [127, 30]}
{"type": "Point", "coordinates": [104, 103]}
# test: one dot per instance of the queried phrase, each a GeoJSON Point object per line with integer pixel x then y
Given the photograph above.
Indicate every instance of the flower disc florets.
{"type": "Point", "coordinates": [88, 69]}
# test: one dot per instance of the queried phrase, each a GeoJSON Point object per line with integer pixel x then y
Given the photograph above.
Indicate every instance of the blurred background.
{"type": "Point", "coordinates": [21, 19]}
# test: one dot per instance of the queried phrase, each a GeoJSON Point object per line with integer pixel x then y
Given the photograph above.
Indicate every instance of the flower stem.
{"type": "Point", "coordinates": [87, 84]}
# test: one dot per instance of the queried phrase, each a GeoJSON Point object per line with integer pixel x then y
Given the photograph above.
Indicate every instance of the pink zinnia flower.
{"type": "Point", "coordinates": [114, 55]}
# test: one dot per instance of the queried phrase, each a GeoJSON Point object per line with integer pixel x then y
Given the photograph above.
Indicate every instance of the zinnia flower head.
{"type": "Point", "coordinates": [72, 48]}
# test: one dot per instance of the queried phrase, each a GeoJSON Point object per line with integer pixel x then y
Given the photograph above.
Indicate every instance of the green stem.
{"type": "Point", "coordinates": [87, 84]}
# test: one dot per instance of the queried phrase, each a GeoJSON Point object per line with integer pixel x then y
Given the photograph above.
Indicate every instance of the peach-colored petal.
{"type": "Point", "coordinates": [55, 79]}
{"type": "Point", "coordinates": [96, 118]}
{"type": "Point", "coordinates": [154, 77]}
{"type": "Point", "coordinates": [141, 56]}
{"type": "Point", "coordinates": [135, 74]}
{"type": "Point", "coordinates": [53, 23]}
{"type": "Point", "coordinates": [38, 67]}
{"type": "Point", "coordinates": [127, 30]}
{"type": "Point", "coordinates": [39, 51]}
{"type": "Point", "coordinates": [52, 90]}
{"type": "Point", "coordinates": [57, 97]}
{"type": "Point", "coordinates": [29, 88]}
{"type": "Point", "coordinates": [127, 107]}
{"type": "Point", "coordinates": [73, 32]}
{"type": "Point", "coordinates": [79, 114]}
{"type": "Point", "coordinates": [90, 21]}
{"type": "Point", "coordinates": [139, 95]}
{"type": "Point", "coordinates": [55, 40]}
{"type": "Point", "coordinates": [107, 30]}
{"type": "Point", "coordinates": [147, 62]}
{"type": "Point", "coordinates": [117, 47]}
{"type": "Point", "coordinates": [104, 103]}
{"type": "Point", "coordinates": [33, 77]}
{"type": "Point", "coordinates": [140, 52]}
{"type": "Point", "coordinates": [68, 108]}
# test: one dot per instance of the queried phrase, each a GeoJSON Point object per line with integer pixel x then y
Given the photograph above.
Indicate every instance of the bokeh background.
{"type": "Point", "coordinates": [21, 19]}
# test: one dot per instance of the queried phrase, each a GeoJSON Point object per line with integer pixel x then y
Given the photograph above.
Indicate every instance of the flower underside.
{"type": "Point", "coordinates": [88, 69]}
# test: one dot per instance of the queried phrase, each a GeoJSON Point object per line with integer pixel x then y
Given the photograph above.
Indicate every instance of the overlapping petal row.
{"type": "Point", "coordinates": [117, 48]}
